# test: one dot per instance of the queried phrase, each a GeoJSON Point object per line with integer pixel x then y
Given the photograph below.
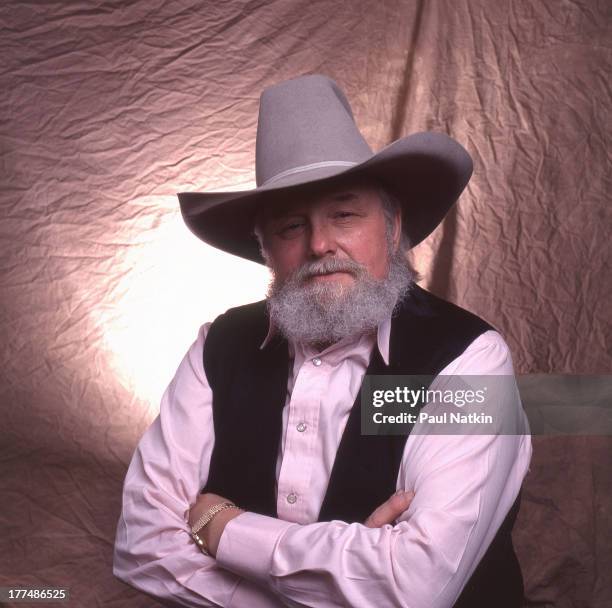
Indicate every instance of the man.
{"type": "Point", "coordinates": [258, 458]}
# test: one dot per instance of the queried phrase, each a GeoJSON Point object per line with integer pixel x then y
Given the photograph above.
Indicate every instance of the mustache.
{"type": "Point", "coordinates": [326, 266]}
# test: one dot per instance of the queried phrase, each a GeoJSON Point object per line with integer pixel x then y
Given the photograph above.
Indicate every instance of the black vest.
{"type": "Point", "coordinates": [249, 391]}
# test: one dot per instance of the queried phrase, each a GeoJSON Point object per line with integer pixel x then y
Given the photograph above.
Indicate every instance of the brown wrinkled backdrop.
{"type": "Point", "coordinates": [109, 108]}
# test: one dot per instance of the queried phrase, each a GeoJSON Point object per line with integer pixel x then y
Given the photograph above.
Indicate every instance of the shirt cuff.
{"type": "Point", "coordinates": [247, 544]}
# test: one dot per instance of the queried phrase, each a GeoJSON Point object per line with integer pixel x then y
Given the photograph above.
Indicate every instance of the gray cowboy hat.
{"type": "Point", "coordinates": [307, 137]}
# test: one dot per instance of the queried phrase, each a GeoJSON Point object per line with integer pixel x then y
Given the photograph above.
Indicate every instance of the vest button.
{"type": "Point", "coordinates": [301, 427]}
{"type": "Point", "coordinates": [291, 498]}
{"type": "Point", "coordinates": [316, 361]}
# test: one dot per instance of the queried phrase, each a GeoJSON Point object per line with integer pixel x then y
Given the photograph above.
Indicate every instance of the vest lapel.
{"type": "Point", "coordinates": [366, 466]}
{"type": "Point", "coordinates": [248, 420]}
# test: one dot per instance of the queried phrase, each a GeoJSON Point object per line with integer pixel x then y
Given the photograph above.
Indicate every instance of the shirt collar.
{"type": "Point", "coordinates": [383, 336]}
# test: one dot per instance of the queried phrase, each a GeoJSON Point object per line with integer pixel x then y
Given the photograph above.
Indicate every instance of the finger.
{"type": "Point", "coordinates": [390, 510]}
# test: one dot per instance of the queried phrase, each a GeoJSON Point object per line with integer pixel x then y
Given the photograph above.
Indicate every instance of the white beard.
{"type": "Point", "coordinates": [322, 313]}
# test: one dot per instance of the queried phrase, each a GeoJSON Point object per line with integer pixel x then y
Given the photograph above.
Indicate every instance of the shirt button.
{"type": "Point", "coordinates": [316, 361]}
{"type": "Point", "coordinates": [291, 498]}
{"type": "Point", "coordinates": [301, 427]}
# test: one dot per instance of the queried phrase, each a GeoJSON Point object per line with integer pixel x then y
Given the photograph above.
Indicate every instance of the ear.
{"type": "Point", "coordinates": [397, 229]}
{"type": "Point", "coordinates": [257, 234]}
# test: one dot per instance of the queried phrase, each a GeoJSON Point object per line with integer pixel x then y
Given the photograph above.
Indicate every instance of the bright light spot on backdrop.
{"type": "Point", "coordinates": [171, 285]}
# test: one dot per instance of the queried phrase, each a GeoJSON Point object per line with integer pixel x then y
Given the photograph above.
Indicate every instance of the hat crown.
{"type": "Point", "coordinates": [305, 124]}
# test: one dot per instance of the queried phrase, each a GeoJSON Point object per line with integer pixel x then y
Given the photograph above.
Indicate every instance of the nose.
{"type": "Point", "coordinates": [322, 242]}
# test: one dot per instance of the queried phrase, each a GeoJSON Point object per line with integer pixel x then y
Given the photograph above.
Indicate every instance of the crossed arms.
{"type": "Point", "coordinates": [464, 486]}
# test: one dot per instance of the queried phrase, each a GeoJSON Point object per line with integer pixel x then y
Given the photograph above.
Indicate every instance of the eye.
{"type": "Point", "coordinates": [290, 228]}
{"type": "Point", "coordinates": [344, 215]}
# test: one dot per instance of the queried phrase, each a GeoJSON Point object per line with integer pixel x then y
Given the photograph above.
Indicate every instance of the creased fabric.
{"type": "Point", "coordinates": [108, 109]}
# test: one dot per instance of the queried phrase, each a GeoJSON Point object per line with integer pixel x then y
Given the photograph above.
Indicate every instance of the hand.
{"type": "Point", "coordinates": [211, 533]}
{"type": "Point", "coordinates": [390, 510]}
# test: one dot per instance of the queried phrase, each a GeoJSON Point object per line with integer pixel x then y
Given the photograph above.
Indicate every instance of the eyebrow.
{"type": "Point", "coordinates": [280, 215]}
{"type": "Point", "coordinates": [277, 213]}
{"type": "Point", "coordinates": [344, 196]}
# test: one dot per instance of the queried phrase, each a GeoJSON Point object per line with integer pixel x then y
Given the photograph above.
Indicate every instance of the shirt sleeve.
{"type": "Point", "coordinates": [464, 487]}
{"type": "Point", "coordinates": [153, 549]}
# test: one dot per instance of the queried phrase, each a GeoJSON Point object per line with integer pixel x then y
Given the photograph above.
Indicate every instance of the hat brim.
{"type": "Point", "coordinates": [426, 171]}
